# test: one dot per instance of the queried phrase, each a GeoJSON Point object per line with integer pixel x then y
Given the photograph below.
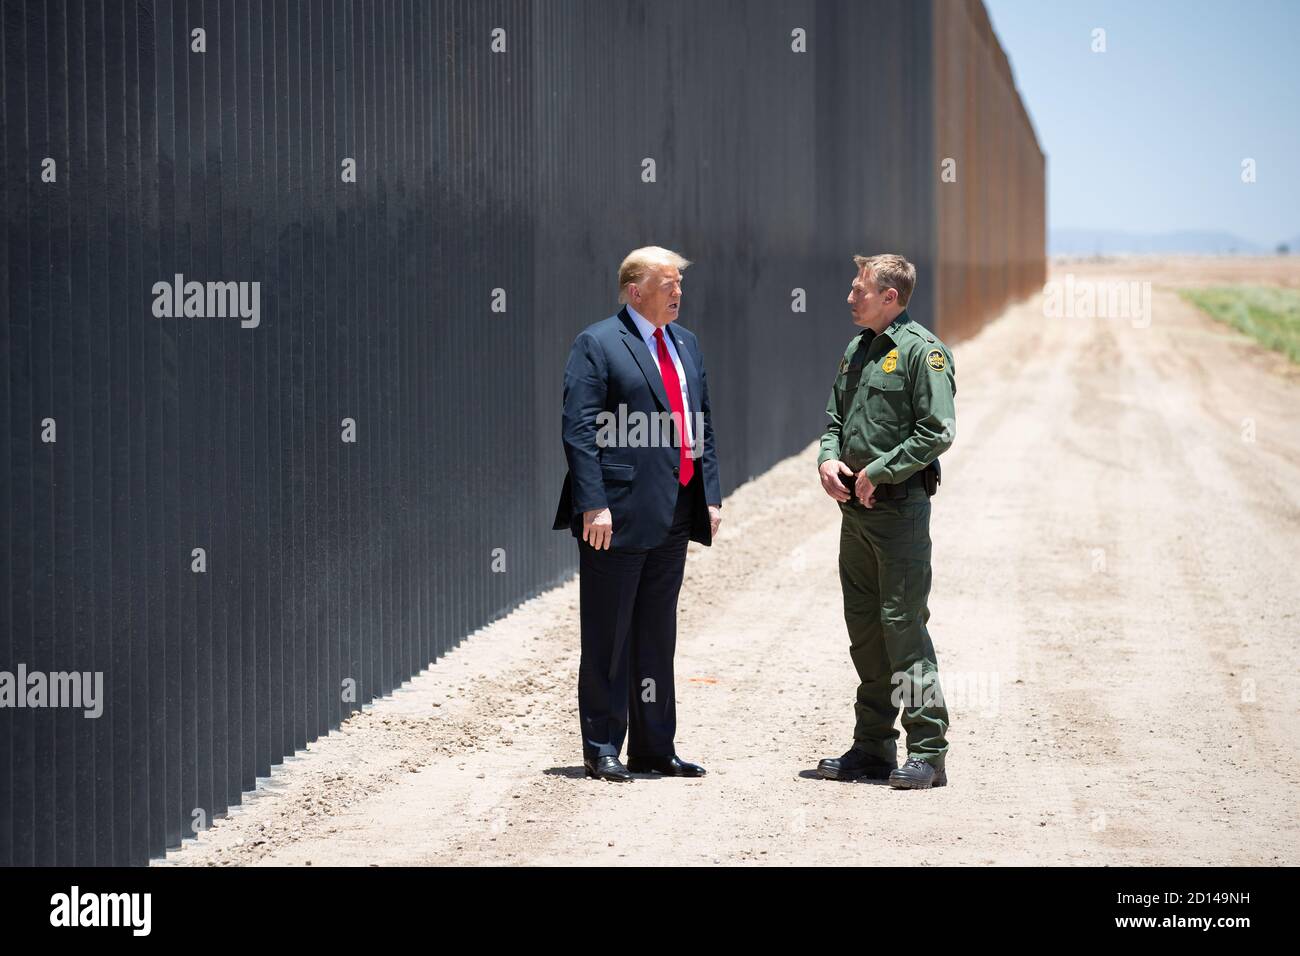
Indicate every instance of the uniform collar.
{"type": "Point", "coordinates": [893, 328]}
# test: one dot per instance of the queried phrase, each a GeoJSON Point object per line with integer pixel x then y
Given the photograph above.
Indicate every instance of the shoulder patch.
{"type": "Point", "coordinates": [934, 358]}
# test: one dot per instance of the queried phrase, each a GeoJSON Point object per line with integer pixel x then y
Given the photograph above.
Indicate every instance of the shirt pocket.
{"type": "Point", "coordinates": [886, 398]}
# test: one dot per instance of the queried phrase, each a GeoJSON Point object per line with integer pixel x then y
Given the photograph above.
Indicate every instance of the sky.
{"type": "Point", "coordinates": [1149, 136]}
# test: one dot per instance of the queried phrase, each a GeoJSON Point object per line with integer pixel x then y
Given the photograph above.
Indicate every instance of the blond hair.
{"type": "Point", "coordinates": [640, 261]}
{"type": "Point", "coordinates": [890, 272]}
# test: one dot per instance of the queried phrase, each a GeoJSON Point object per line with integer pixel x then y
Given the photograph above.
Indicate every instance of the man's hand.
{"type": "Point", "coordinates": [715, 520]}
{"type": "Point", "coordinates": [598, 528]}
{"type": "Point", "coordinates": [830, 472]}
{"type": "Point", "coordinates": [865, 490]}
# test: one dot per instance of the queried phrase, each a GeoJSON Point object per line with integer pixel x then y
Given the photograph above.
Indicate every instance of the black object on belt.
{"type": "Point", "coordinates": [899, 491]}
{"type": "Point", "coordinates": [895, 492]}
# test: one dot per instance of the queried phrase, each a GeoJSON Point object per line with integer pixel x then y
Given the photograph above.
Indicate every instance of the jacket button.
{"type": "Point", "coordinates": [674, 470]}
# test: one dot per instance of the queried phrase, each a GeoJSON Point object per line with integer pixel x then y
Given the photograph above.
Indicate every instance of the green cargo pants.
{"type": "Point", "coordinates": [885, 575]}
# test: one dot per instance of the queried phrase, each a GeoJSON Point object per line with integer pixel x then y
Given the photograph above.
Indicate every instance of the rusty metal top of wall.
{"type": "Point", "coordinates": [983, 25]}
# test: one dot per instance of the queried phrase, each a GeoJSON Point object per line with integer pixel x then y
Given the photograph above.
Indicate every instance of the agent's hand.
{"type": "Point", "coordinates": [598, 528]}
{"type": "Point", "coordinates": [715, 520]}
{"type": "Point", "coordinates": [830, 472]}
{"type": "Point", "coordinates": [864, 490]}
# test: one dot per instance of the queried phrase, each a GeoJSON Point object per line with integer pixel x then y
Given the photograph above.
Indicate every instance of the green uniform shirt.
{"type": "Point", "coordinates": [891, 408]}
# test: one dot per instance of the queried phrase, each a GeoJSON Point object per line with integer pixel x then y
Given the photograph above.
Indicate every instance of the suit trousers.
{"type": "Point", "coordinates": [628, 602]}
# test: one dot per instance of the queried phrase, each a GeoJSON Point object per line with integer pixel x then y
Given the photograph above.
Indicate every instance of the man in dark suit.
{"type": "Point", "coordinates": [642, 482]}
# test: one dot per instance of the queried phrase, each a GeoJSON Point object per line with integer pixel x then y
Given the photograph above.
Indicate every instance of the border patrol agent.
{"type": "Point", "coordinates": [891, 415]}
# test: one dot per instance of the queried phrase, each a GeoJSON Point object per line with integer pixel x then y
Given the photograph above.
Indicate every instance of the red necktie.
{"type": "Point", "coordinates": [673, 385]}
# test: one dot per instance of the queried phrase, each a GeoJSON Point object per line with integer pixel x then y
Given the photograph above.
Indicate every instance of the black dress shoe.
{"type": "Point", "coordinates": [918, 774]}
{"type": "Point", "coordinates": [855, 764]}
{"type": "Point", "coordinates": [606, 768]}
{"type": "Point", "coordinates": [670, 766]}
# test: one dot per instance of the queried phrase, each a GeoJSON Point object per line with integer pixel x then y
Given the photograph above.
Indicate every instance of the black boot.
{"type": "Point", "coordinates": [918, 774]}
{"type": "Point", "coordinates": [854, 764]}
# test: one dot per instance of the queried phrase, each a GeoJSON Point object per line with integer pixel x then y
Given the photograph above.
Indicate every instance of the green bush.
{"type": "Point", "coordinates": [1268, 314]}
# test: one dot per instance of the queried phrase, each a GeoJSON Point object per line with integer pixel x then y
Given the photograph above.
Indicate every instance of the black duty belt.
{"type": "Point", "coordinates": [898, 491]}
{"type": "Point", "coordinates": [895, 492]}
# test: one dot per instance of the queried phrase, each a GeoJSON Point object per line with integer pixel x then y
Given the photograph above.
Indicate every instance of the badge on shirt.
{"type": "Point", "coordinates": [844, 365]}
{"type": "Point", "coordinates": [891, 361]}
{"type": "Point", "coordinates": [934, 358]}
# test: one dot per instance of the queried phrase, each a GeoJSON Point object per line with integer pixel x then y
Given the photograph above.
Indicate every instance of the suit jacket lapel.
{"type": "Point", "coordinates": [641, 352]}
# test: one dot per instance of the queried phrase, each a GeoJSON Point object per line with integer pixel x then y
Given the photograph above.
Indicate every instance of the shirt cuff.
{"type": "Point", "coordinates": [878, 470]}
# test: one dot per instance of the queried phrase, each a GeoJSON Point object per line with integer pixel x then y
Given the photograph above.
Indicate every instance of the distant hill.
{"type": "Point", "coordinates": [1087, 242]}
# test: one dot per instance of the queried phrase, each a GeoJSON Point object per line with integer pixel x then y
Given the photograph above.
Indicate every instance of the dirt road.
{"type": "Point", "coordinates": [1114, 609]}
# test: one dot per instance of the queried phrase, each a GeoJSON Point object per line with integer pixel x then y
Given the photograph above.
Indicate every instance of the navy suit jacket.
{"type": "Point", "coordinates": [610, 366]}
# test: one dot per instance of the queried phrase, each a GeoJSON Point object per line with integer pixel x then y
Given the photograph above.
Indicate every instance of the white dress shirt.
{"type": "Point", "coordinates": [647, 330]}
